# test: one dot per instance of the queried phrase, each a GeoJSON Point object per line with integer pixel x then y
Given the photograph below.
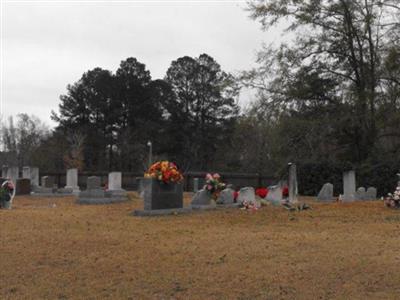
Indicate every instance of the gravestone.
{"type": "Point", "coordinates": [48, 182]}
{"type": "Point", "coordinates": [361, 194]}
{"type": "Point", "coordinates": [349, 186]}
{"type": "Point", "coordinates": [226, 196]}
{"type": "Point", "coordinates": [293, 191]}
{"type": "Point", "coordinates": [34, 176]}
{"type": "Point", "coordinates": [371, 193]}
{"type": "Point", "coordinates": [23, 186]}
{"type": "Point", "coordinates": [195, 185]}
{"type": "Point", "coordinates": [114, 181]}
{"type": "Point", "coordinates": [72, 181]}
{"type": "Point", "coordinates": [13, 174]}
{"type": "Point", "coordinates": [93, 194]}
{"type": "Point", "coordinates": [326, 193]}
{"type": "Point", "coordinates": [93, 183]}
{"type": "Point", "coordinates": [158, 195]}
{"type": "Point", "coordinates": [202, 197]}
{"type": "Point", "coordinates": [247, 194]}
{"type": "Point", "coordinates": [26, 172]}
{"type": "Point", "coordinates": [140, 190]}
{"type": "Point", "coordinates": [47, 186]}
{"type": "Point", "coordinates": [4, 171]}
{"type": "Point", "coordinates": [115, 190]}
{"type": "Point", "coordinates": [31, 173]}
{"type": "Point", "coordinates": [274, 194]}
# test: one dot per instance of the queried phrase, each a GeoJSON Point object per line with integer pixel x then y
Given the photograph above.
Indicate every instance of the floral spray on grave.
{"type": "Point", "coordinates": [7, 193]}
{"type": "Point", "coordinates": [214, 185]}
{"type": "Point", "coordinates": [164, 171]}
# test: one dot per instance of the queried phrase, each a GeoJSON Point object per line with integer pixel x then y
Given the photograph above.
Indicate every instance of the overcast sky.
{"type": "Point", "coordinates": [47, 45]}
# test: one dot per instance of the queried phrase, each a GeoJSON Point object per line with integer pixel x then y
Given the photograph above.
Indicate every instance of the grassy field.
{"type": "Point", "coordinates": [56, 249]}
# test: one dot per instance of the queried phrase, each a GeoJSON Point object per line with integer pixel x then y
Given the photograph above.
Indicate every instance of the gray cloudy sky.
{"type": "Point", "coordinates": [47, 45]}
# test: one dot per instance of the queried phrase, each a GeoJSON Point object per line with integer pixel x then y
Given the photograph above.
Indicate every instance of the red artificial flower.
{"type": "Point", "coordinates": [235, 195]}
{"type": "Point", "coordinates": [262, 192]}
{"type": "Point", "coordinates": [285, 191]}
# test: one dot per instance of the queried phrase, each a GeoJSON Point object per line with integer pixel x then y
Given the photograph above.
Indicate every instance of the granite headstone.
{"type": "Point", "coordinates": [349, 186]}
{"type": "Point", "coordinates": [326, 192]}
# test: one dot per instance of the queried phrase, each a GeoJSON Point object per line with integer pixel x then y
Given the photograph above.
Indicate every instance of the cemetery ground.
{"type": "Point", "coordinates": [56, 249]}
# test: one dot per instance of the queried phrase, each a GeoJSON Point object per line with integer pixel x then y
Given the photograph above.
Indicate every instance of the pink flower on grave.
{"type": "Point", "coordinates": [209, 177]}
{"type": "Point", "coordinates": [216, 176]}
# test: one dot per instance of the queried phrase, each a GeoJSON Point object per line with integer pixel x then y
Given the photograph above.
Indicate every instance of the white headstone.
{"type": "Point", "coordinates": [31, 173]}
{"type": "Point", "coordinates": [114, 181]}
{"type": "Point", "coordinates": [34, 176]}
{"type": "Point", "coordinates": [72, 180]}
{"type": "Point", "coordinates": [349, 186]}
{"type": "Point", "coordinates": [13, 174]}
{"type": "Point", "coordinates": [326, 193]}
{"type": "Point", "coordinates": [274, 194]}
{"type": "Point", "coordinates": [247, 194]}
{"type": "Point", "coordinates": [4, 171]}
{"type": "Point", "coordinates": [292, 183]}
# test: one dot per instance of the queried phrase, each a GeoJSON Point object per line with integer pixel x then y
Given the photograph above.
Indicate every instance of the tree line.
{"type": "Point", "coordinates": [329, 93]}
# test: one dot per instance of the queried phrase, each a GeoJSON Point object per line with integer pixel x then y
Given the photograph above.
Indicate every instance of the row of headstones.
{"type": "Point", "coordinates": [94, 192]}
{"type": "Point", "coordinates": [202, 197]}
{"type": "Point", "coordinates": [350, 193]}
{"type": "Point", "coordinates": [24, 185]}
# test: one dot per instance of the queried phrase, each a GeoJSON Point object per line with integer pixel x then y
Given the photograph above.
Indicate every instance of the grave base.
{"type": "Point", "coordinates": [162, 212]}
{"type": "Point", "coordinates": [184, 210]}
{"type": "Point", "coordinates": [105, 200]}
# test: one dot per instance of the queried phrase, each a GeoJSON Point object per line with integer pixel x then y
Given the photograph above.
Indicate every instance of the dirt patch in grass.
{"type": "Point", "coordinates": [56, 249]}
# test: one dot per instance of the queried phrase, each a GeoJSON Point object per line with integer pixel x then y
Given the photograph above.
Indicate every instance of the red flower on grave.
{"type": "Point", "coordinates": [285, 191]}
{"type": "Point", "coordinates": [235, 195]}
{"type": "Point", "coordinates": [262, 192]}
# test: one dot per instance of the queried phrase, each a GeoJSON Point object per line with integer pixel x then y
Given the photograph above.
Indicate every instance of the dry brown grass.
{"type": "Point", "coordinates": [345, 251]}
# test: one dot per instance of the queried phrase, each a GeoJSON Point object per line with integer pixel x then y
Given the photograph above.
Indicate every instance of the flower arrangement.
{"type": "Point", "coordinates": [214, 185]}
{"type": "Point", "coordinates": [164, 171]}
{"type": "Point", "coordinates": [393, 200]}
{"type": "Point", "coordinates": [7, 193]}
{"type": "Point", "coordinates": [247, 205]}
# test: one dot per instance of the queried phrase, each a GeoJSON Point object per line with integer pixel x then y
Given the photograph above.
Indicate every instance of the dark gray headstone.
{"type": "Point", "coordinates": [48, 181]}
{"type": "Point", "coordinates": [326, 193]}
{"type": "Point", "coordinates": [23, 186]}
{"type": "Point", "coordinates": [93, 183]}
{"type": "Point", "coordinates": [158, 195]}
{"type": "Point", "coordinates": [195, 185]}
{"type": "Point", "coordinates": [293, 190]}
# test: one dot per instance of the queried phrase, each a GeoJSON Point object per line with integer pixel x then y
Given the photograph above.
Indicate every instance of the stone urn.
{"type": "Point", "coordinates": [160, 195]}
